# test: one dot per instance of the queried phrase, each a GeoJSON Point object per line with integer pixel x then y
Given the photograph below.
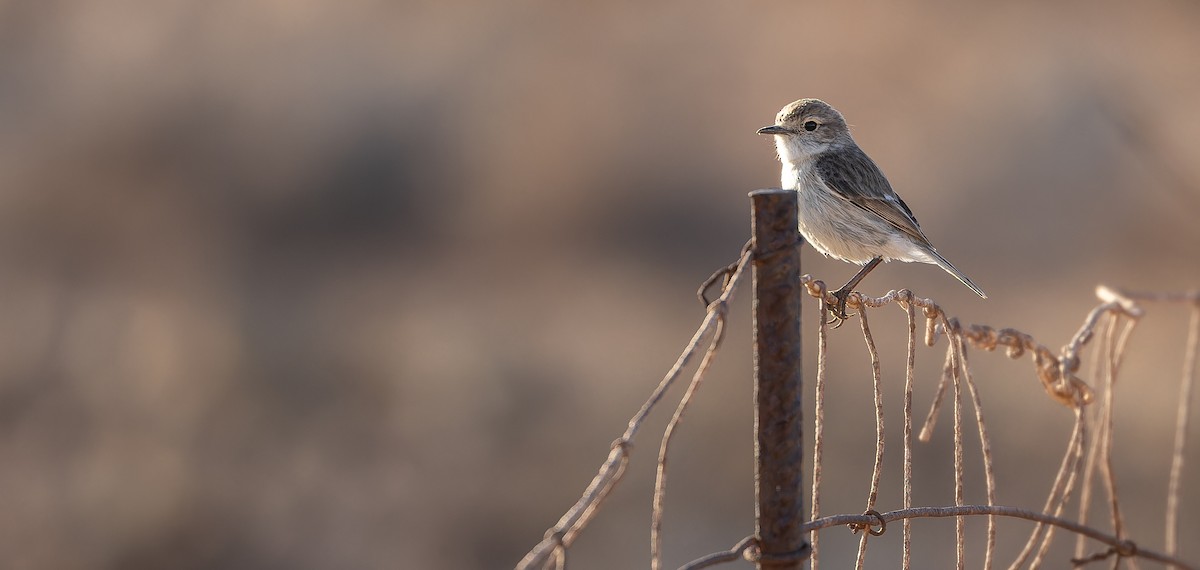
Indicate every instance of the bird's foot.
{"type": "Point", "coordinates": [838, 309]}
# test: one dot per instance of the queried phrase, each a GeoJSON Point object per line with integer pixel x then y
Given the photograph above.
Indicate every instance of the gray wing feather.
{"type": "Point", "coordinates": [855, 177]}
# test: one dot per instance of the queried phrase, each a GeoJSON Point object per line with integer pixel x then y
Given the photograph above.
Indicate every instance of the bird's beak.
{"type": "Point", "coordinates": [773, 130]}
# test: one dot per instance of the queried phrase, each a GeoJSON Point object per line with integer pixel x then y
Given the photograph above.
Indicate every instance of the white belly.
{"type": "Point", "coordinates": [837, 228]}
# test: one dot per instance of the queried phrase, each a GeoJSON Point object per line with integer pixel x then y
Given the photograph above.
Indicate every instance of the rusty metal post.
{"type": "Point", "coordinates": [777, 380]}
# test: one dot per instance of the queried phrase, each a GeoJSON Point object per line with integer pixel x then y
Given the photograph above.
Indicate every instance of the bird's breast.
{"type": "Point", "coordinates": [791, 176]}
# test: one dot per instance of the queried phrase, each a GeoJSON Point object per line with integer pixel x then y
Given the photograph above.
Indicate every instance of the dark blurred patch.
{"type": "Point", "coordinates": [671, 214]}
{"type": "Point", "coordinates": [373, 186]}
{"type": "Point", "coordinates": [201, 537]}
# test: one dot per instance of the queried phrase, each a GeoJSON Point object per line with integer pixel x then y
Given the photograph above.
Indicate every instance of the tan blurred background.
{"type": "Point", "coordinates": [365, 284]}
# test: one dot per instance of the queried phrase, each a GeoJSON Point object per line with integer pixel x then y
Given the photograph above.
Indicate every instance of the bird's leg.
{"type": "Point", "coordinates": [839, 309]}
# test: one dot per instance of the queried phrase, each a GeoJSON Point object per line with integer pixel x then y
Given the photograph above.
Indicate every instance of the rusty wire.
{"type": "Point", "coordinates": [1114, 350]}
{"type": "Point", "coordinates": [1058, 375]}
{"type": "Point", "coordinates": [1192, 351]}
{"type": "Point", "coordinates": [1089, 470]}
{"type": "Point", "coordinates": [1056, 372]}
{"type": "Point", "coordinates": [960, 531]}
{"type": "Point", "coordinates": [1181, 428]}
{"type": "Point", "coordinates": [936, 405]}
{"type": "Point", "coordinates": [909, 372]}
{"type": "Point", "coordinates": [819, 428]}
{"type": "Point", "coordinates": [744, 549]}
{"type": "Point", "coordinates": [1127, 547]}
{"type": "Point", "coordinates": [660, 481]}
{"type": "Point", "coordinates": [877, 470]}
{"type": "Point", "coordinates": [1060, 491]}
{"type": "Point", "coordinates": [985, 445]}
{"type": "Point", "coordinates": [562, 534]}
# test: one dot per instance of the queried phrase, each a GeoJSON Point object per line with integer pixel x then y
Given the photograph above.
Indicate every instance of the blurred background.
{"type": "Point", "coordinates": [366, 284]}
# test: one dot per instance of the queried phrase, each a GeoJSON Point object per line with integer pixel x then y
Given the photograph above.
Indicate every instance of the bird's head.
{"type": "Point", "coordinates": [805, 128]}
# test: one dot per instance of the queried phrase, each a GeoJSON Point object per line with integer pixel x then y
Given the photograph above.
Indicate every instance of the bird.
{"type": "Point", "coordinates": [847, 208]}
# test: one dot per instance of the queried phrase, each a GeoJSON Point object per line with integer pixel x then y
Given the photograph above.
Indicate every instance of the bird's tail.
{"type": "Point", "coordinates": [941, 261]}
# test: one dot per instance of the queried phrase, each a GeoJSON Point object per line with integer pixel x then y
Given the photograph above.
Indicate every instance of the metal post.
{"type": "Point", "coordinates": [777, 379]}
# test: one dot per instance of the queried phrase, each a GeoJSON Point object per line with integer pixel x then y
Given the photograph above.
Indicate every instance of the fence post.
{"type": "Point", "coordinates": [778, 445]}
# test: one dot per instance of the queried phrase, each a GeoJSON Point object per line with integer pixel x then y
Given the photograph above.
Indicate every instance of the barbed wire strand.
{"type": "Point", "coordinates": [957, 368]}
{"type": "Point", "coordinates": [560, 557]}
{"type": "Point", "coordinates": [1129, 548]}
{"type": "Point", "coordinates": [1112, 302]}
{"type": "Point", "coordinates": [1085, 491]}
{"type": "Point", "coordinates": [1098, 461]}
{"type": "Point", "coordinates": [877, 471]}
{"type": "Point", "coordinates": [660, 481]}
{"type": "Point", "coordinates": [1057, 374]}
{"type": "Point", "coordinates": [909, 373]}
{"type": "Point", "coordinates": [959, 500]}
{"type": "Point", "coordinates": [1181, 427]}
{"type": "Point", "coordinates": [819, 426]}
{"type": "Point", "coordinates": [744, 549]}
{"type": "Point", "coordinates": [985, 447]}
{"type": "Point", "coordinates": [559, 537]}
{"type": "Point", "coordinates": [1055, 489]}
{"type": "Point", "coordinates": [1104, 365]}
{"type": "Point", "coordinates": [1072, 476]}
{"type": "Point", "coordinates": [1064, 389]}
{"type": "Point", "coordinates": [931, 418]}
{"type": "Point", "coordinates": [1123, 312]}
{"type": "Point", "coordinates": [1184, 407]}
{"type": "Point", "coordinates": [1114, 352]}
{"type": "Point", "coordinates": [1058, 381]}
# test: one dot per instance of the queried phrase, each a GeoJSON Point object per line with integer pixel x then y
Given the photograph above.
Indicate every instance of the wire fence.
{"type": "Point", "coordinates": [1086, 468]}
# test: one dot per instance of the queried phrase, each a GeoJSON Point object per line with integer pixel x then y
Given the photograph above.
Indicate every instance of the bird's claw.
{"type": "Point", "coordinates": [838, 309]}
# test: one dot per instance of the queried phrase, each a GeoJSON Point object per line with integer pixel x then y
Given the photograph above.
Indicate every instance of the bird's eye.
{"type": "Point", "coordinates": [810, 126]}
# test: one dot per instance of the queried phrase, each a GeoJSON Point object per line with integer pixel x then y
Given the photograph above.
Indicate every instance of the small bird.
{"type": "Point", "coordinates": [848, 209]}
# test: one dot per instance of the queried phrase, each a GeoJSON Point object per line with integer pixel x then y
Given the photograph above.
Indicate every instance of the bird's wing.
{"type": "Point", "coordinates": [855, 177]}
